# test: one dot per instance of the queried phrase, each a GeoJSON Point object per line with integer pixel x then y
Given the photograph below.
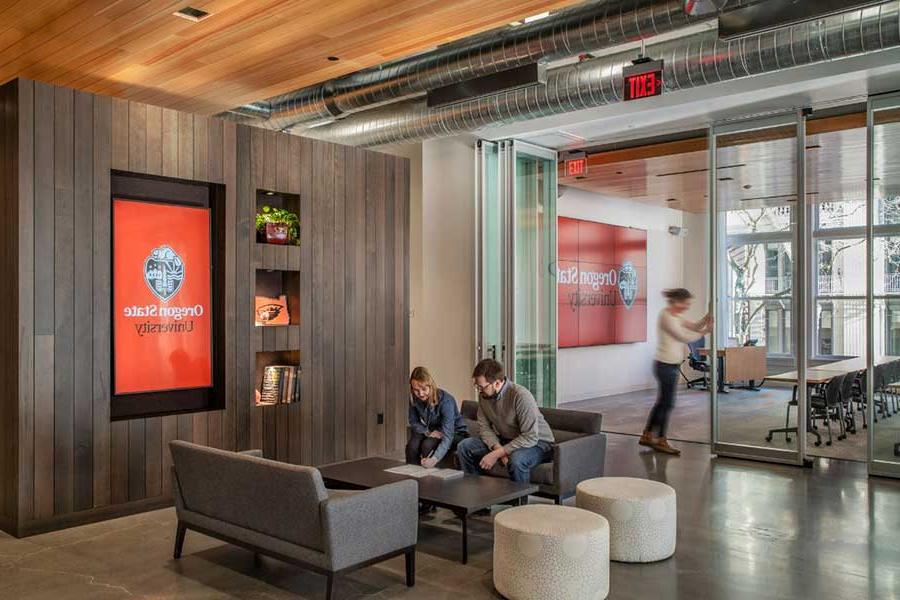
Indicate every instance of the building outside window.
{"type": "Point", "coordinates": [759, 277]}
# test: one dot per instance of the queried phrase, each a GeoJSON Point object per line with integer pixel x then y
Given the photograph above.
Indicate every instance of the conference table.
{"type": "Point", "coordinates": [820, 375]}
{"type": "Point", "coordinates": [824, 373]}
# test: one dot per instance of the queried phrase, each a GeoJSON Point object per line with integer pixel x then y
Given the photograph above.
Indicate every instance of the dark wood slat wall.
{"type": "Point", "coordinates": [9, 267]}
{"type": "Point", "coordinates": [71, 463]}
{"type": "Point", "coordinates": [64, 461]}
{"type": "Point", "coordinates": [354, 297]}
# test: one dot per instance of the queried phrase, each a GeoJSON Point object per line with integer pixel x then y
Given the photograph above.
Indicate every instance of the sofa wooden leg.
{"type": "Point", "coordinates": [179, 540]}
{"type": "Point", "coordinates": [329, 589]}
{"type": "Point", "coordinates": [411, 567]}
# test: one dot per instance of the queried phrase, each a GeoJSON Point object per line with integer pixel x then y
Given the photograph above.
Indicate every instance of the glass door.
{"type": "Point", "coordinates": [532, 172]}
{"type": "Point", "coordinates": [490, 254]}
{"type": "Point", "coordinates": [758, 254]}
{"type": "Point", "coordinates": [883, 282]}
{"type": "Point", "coordinates": [516, 258]}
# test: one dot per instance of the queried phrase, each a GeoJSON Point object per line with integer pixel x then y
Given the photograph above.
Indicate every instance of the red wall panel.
{"type": "Point", "coordinates": [601, 283]}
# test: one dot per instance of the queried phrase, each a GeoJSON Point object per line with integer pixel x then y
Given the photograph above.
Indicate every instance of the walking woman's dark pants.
{"type": "Point", "coordinates": [667, 376]}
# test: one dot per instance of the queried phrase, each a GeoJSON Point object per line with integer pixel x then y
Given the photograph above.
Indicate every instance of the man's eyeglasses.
{"type": "Point", "coordinates": [481, 388]}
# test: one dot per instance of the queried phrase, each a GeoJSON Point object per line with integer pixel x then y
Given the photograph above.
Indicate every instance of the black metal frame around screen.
{"type": "Point", "coordinates": [186, 193]}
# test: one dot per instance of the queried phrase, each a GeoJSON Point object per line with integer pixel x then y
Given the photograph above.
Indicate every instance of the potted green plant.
{"type": "Point", "coordinates": [276, 225]}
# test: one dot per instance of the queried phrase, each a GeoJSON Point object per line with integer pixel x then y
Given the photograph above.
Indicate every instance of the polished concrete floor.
{"type": "Point", "coordinates": [745, 530]}
{"type": "Point", "coordinates": [745, 417]}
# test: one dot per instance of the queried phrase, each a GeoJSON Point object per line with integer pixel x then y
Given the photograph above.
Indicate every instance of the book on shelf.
{"type": "Point", "coordinates": [280, 385]}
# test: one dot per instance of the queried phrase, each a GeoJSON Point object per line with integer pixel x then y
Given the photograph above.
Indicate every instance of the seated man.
{"type": "Point", "coordinates": [513, 430]}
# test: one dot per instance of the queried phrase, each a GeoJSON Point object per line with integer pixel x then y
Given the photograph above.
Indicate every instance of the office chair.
{"type": "Point", "coordinates": [847, 397]}
{"type": "Point", "coordinates": [879, 400]}
{"type": "Point", "coordinates": [880, 391]}
{"type": "Point", "coordinates": [825, 403]}
{"type": "Point", "coordinates": [697, 363]}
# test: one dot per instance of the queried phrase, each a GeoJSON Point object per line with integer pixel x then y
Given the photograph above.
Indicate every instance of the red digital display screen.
{"type": "Point", "coordinates": [643, 80]}
{"type": "Point", "coordinates": [576, 167]}
{"type": "Point", "coordinates": [601, 284]}
{"type": "Point", "coordinates": [162, 297]}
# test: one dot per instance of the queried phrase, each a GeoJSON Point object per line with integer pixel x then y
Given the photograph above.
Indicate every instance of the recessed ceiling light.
{"type": "Point", "coordinates": [333, 58]}
{"type": "Point", "coordinates": [747, 186]}
{"type": "Point", "coordinates": [531, 19]}
{"type": "Point", "coordinates": [191, 14]}
{"type": "Point", "coordinates": [270, 193]}
{"type": "Point", "coordinates": [672, 200]}
{"type": "Point", "coordinates": [537, 17]}
{"type": "Point", "coordinates": [618, 172]}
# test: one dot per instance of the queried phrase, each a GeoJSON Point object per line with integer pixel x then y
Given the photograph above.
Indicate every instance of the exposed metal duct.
{"type": "Point", "coordinates": [583, 28]}
{"type": "Point", "coordinates": [692, 61]}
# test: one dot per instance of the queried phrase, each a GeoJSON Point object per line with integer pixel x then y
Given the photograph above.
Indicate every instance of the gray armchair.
{"type": "Point", "coordinates": [285, 511]}
{"type": "Point", "coordinates": [578, 454]}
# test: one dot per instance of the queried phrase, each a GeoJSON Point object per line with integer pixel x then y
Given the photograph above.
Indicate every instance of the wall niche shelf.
{"type": "Point", "coordinates": [277, 269]}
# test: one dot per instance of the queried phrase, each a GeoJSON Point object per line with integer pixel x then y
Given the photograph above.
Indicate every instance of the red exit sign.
{"type": "Point", "coordinates": [643, 80]}
{"type": "Point", "coordinates": [576, 167]}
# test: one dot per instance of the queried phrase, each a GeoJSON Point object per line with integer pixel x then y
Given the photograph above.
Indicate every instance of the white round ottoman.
{"type": "Point", "coordinates": [641, 515]}
{"type": "Point", "coordinates": [545, 552]}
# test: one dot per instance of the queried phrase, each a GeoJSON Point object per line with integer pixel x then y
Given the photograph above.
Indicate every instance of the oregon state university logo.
{"type": "Point", "coordinates": [164, 272]}
{"type": "Point", "coordinates": [628, 283]}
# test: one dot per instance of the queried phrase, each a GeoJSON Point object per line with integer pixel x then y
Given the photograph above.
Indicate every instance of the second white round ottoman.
{"type": "Point", "coordinates": [546, 552]}
{"type": "Point", "coordinates": [641, 516]}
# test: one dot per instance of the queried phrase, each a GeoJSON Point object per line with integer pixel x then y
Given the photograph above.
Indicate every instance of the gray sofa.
{"type": "Point", "coordinates": [285, 511]}
{"type": "Point", "coordinates": [578, 454]}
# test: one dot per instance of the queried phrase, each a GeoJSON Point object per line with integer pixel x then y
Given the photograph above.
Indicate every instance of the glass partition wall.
{"type": "Point", "coordinates": [883, 297]}
{"type": "Point", "coordinates": [757, 250]}
{"type": "Point", "coordinates": [813, 285]}
{"type": "Point", "coordinates": [516, 190]}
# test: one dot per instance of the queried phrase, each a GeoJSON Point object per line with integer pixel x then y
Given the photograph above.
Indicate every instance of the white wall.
{"type": "Point", "coordinates": [442, 259]}
{"type": "Point", "coordinates": [584, 373]}
{"type": "Point", "coordinates": [442, 273]}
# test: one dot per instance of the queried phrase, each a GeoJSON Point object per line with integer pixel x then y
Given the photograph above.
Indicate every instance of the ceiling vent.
{"type": "Point", "coordinates": [191, 14]}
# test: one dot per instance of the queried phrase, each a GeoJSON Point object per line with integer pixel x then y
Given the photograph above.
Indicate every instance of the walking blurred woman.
{"type": "Point", "coordinates": [674, 332]}
{"type": "Point", "coordinates": [436, 425]}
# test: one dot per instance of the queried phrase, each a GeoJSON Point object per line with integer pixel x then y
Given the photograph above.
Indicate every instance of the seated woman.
{"type": "Point", "coordinates": [434, 419]}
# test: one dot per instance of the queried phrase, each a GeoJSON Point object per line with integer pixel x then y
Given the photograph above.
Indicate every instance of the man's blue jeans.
{"type": "Point", "coordinates": [470, 452]}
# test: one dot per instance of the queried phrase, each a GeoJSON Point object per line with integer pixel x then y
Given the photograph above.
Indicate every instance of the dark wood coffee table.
{"type": "Point", "coordinates": [462, 495]}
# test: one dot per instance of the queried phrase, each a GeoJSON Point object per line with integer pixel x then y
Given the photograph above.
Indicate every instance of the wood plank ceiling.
{"type": "Point", "coordinates": [247, 50]}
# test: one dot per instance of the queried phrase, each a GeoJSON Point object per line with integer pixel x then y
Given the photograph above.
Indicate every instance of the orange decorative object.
{"type": "Point", "coordinates": [272, 311]}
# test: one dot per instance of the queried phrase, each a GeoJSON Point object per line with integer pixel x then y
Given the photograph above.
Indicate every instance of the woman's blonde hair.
{"type": "Point", "coordinates": [423, 375]}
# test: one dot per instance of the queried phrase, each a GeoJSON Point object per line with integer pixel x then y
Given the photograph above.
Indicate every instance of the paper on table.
{"type": "Point", "coordinates": [419, 471]}
{"type": "Point", "coordinates": [410, 470]}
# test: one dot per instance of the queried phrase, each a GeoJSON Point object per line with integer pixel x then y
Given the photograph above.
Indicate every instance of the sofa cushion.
{"type": "Point", "coordinates": [272, 498]}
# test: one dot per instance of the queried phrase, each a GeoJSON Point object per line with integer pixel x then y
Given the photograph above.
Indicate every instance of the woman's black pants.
{"type": "Point", "coordinates": [667, 376]}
